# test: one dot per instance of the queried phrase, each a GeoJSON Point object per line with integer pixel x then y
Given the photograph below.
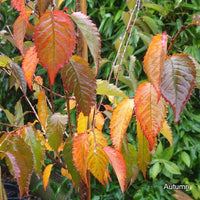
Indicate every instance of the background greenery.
{"type": "Point", "coordinates": [110, 18]}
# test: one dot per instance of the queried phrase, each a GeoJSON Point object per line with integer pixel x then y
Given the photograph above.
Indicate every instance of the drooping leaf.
{"type": "Point", "coordinates": [43, 5]}
{"type": "Point", "coordinates": [156, 7]}
{"type": "Point", "coordinates": [29, 65]}
{"type": "Point", "coordinates": [117, 161]}
{"type": "Point", "coordinates": [105, 88]}
{"type": "Point", "coordinates": [19, 31]}
{"type": "Point", "coordinates": [82, 123]}
{"type": "Point", "coordinates": [120, 121]}
{"type": "Point", "coordinates": [19, 117]}
{"type": "Point", "coordinates": [42, 109]}
{"type": "Point", "coordinates": [54, 38]}
{"type": "Point", "coordinates": [68, 159]}
{"type": "Point", "coordinates": [130, 158]}
{"type": "Point", "coordinates": [167, 132]}
{"type": "Point", "coordinates": [80, 151]}
{"type": "Point", "coordinates": [178, 81]}
{"type": "Point", "coordinates": [46, 175]}
{"type": "Point", "coordinates": [19, 5]}
{"type": "Point", "coordinates": [20, 168]}
{"type": "Point", "coordinates": [19, 75]}
{"type": "Point", "coordinates": [97, 162]}
{"type": "Point", "coordinates": [144, 155]}
{"type": "Point", "coordinates": [96, 137]}
{"type": "Point", "coordinates": [31, 138]}
{"type": "Point", "coordinates": [149, 111]}
{"type": "Point", "coordinates": [5, 61]}
{"type": "Point", "coordinates": [90, 33]}
{"type": "Point", "coordinates": [77, 77]}
{"type": "Point", "coordinates": [151, 23]}
{"type": "Point", "coordinates": [154, 60]}
{"type": "Point", "coordinates": [56, 125]}
{"type": "Point", "coordinates": [9, 115]}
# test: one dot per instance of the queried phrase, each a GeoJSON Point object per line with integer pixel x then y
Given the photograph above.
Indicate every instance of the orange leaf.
{"type": "Point", "coordinates": [120, 121]}
{"type": "Point", "coordinates": [29, 65]}
{"type": "Point", "coordinates": [98, 120]}
{"type": "Point", "coordinates": [54, 38]}
{"type": "Point", "coordinates": [19, 5]}
{"type": "Point", "coordinates": [46, 175]}
{"type": "Point", "coordinates": [154, 60]}
{"type": "Point", "coordinates": [98, 137]}
{"type": "Point", "coordinates": [117, 161]}
{"type": "Point", "coordinates": [150, 113]}
{"type": "Point", "coordinates": [66, 173]}
{"type": "Point", "coordinates": [82, 123]}
{"type": "Point", "coordinates": [167, 132]}
{"type": "Point", "coordinates": [144, 155]}
{"type": "Point", "coordinates": [43, 5]}
{"type": "Point", "coordinates": [97, 162]}
{"type": "Point", "coordinates": [19, 31]}
{"type": "Point", "coordinates": [42, 109]}
{"type": "Point", "coordinates": [80, 151]}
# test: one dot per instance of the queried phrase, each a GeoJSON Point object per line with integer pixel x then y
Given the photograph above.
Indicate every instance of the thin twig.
{"type": "Point", "coordinates": [68, 113]}
{"type": "Point", "coordinates": [51, 97]}
{"type": "Point", "coordinates": [9, 125]}
{"type": "Point", "coordinates": [55, 160]}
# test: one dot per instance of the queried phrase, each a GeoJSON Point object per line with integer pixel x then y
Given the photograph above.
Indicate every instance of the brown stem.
{"type": "Point", "coordinates": [9, 125]}
{"type": "Point", "coordinates": [55, 160]}
{"type": "Point", "coordinates": [68, 113]}
{"type": "Point", "coordinates": [51, 97]}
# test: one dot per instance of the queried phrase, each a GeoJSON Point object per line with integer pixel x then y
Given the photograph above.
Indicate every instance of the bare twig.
{"type": "Point", "coordinates": [55, 160]}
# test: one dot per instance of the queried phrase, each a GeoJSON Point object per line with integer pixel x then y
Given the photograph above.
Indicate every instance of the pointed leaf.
{"type": "Point", "coordinates": [144, 155]}
{"type": "Point", "coordinates": [104, 88]}
{"type": "Point", "coordinates": [31, 138]}
{"type": "Point", "coordinates": [178, 81]}
{"type": "Point", "coordinates": [9, 115]}
{"type": "Point", "coordinates": [97, 162]}
{"type": "Point", "coordinates": [117, 161]}
{"type": "Point", "coordinates": [43, 5]}
{"type": "Point", "coordinates": [19, 5]}
{"type": "Point", "coordinates": [56, 125]}
{"type": "Point", "coordinates": [154, 60]}
{"type": "Point", "coordinates": [149, 112]}
{"type": "Point", "coordinates": [20, 169]}
{"type": "Point", "coordinates": [29, 65]}
{"type": "Point", "coordinates": [68, 159]}
{"type": "Point", "coordinates": [46, 175]}
{"type": "Point", "coordinates": [91, 34]}
{"type": "Point", "coordinates": [120, 121]}
{"type": "Point", "coordinates": [97, 137]}
{"type": "Point", "coordinates": [19, 75]}
{"type": "Point", "coordinates": [80, 151]}
{"type": "Point", "coordinates": [42, 109]}
{"type": "Point", "coordinates": [98, 119]}
{"type": "Point", "coordinates": [19, 31]}
{"type": "Point", "coordinates": [82, 123]}
{"type": "Point", "coordinates": [19, 117]}
{"type": "Point", "coordinates": [167, 132]}
{"type": "Point", "coordinates": [78, 77]}
{"type": "Point", "coordinates": [54, 38]}
{"type": "Point", "coordinates": [5, 61]}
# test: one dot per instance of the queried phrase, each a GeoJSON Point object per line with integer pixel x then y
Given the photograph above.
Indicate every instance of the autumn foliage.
{"type": "Point", "coordinates": [53, 45]}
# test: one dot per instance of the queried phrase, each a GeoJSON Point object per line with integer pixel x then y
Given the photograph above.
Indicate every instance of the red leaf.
{"type": "Point", "coordinates": [120, 121]}
{"type": "Point", "coordinates": [144, 155]}
{"type": "Point", "coordinates": [80, 151]}
{"type": "Point", "coordinates": [54, 38]}
{"type": "Point", "coordinates": [154, 60]}
{"type": "Point", "coordinates": [19, 31]}
{"type": "Point", "coordinates": [118, 164]}
{"type": "Point", "coordinates": [29, 65]}
{"type": "Point", "coordinates": [178, 81]}
{"type": "Point", "coordinates": [149, 112]}
{"type": "Point", "coordinates": [19, 5]}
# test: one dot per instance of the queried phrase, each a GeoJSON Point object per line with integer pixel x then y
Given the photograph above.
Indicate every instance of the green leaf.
{"type": "Point", "coordinates": [130, 4]}
{"type": "Point", "coordinates": [5, 61]}
{"type": "Point", "coordinates": [31, 138]}
{"type": "Point", "coordinates": [90, 33]}
{"type": "Point", "coordinates": [185, 158]}
{"type": "Point", "coordinates": [155, 170]}
{"type": "Point", "coordinates": [167, 153]}
{"type": "Point", "coordinates": [105, 88]}
{"type": "Point", "coordinates": [171, 167]}
{"type": "Point", "coordinates": [56, 125]}
{"type": "Point", "coordinates": [78, 77]}
{"type": "Point", "coordinates": [19, 75]}
{"type": "Point", "coordinates": [9, 115]}
{"type": "Point", "coordinates": [178, 81]}
{"type": "Point", "coordinates": [68, 159]}
{"type": "Point", "coordinates": [156, 7]}
{"type": "Point", "coordinates": [19, 118]}
{"type": "Point", "coordinates": [151, 23]}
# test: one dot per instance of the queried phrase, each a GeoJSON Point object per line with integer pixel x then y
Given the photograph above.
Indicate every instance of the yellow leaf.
{"type": "Point", "coordinates": [167, 132]}
{"type": "Point", "coordinates": [82, 123]}
{"type": "Point", "coordinates": [42, 109]}
{"type": "Point", "coordinates": [4, 61]}
{"type": "Point", "coordinates": [97, 162]}
{"type": "Point", "coordinates": [66, 173]}
{"type": "Point", "coordinates": [46, 175]}
{"type": "Point", "coordinates": [120, 121]}
{"type": "Point", "coordinates": [98, 137]}
{"type": "Point", "coordinates": [99, 119]}
{"type": "Point", "coordinates": [72, 104]}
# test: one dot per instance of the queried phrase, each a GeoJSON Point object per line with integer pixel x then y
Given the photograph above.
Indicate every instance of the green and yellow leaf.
{"type": "Point", "coordinates": [166, 131]}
